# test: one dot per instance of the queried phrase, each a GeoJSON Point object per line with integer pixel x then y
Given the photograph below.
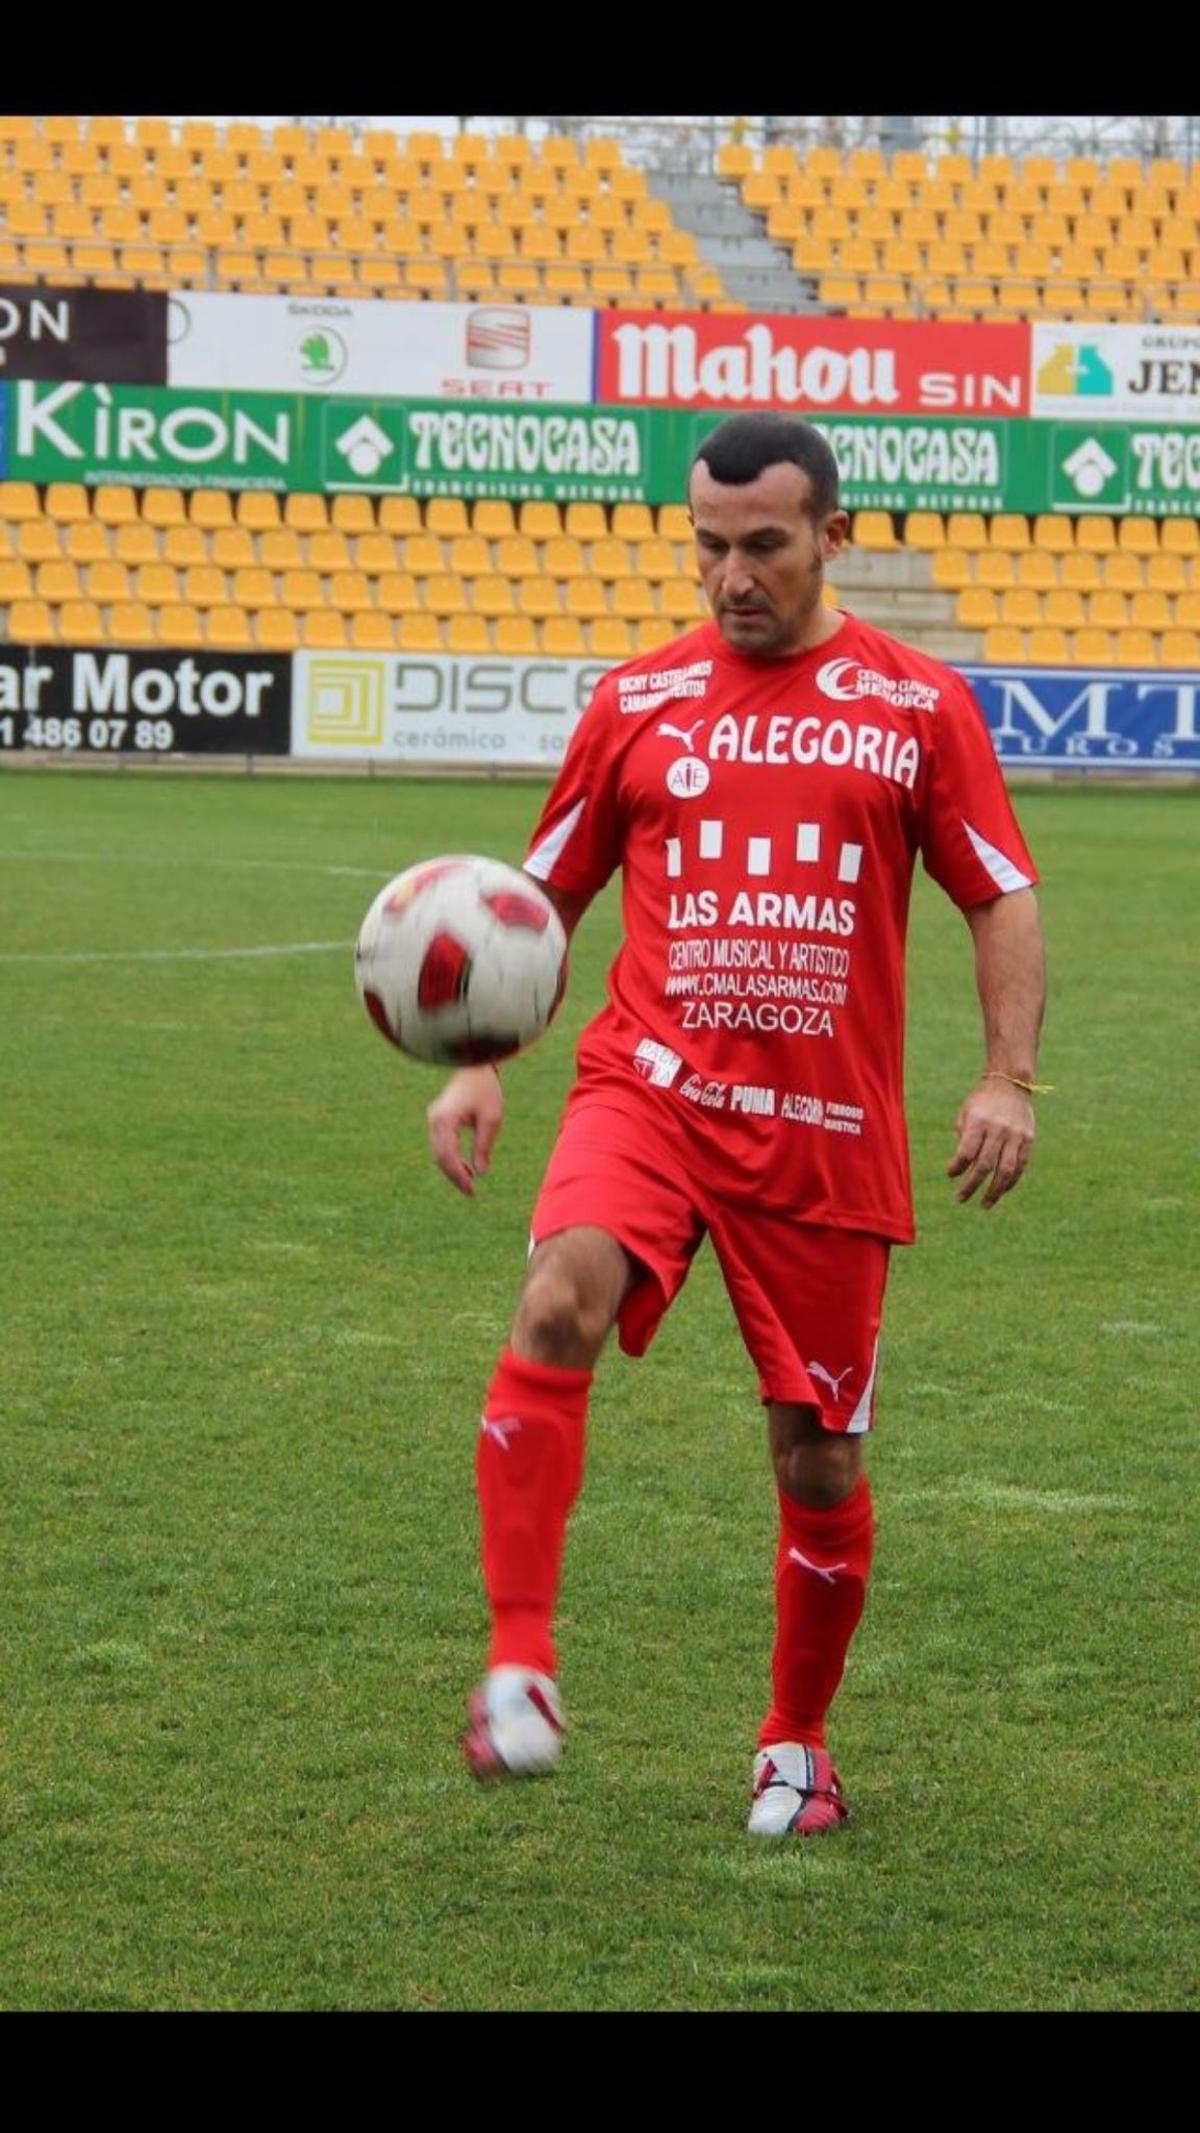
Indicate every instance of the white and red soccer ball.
{"type": "Point", "coordinates": [461, 960]}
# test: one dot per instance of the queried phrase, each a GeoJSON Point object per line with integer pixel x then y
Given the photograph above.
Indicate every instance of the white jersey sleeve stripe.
{"type": "Point", "coordinates": [1005, 875]}
{"type": "Point", "coordinates": [545, 856]}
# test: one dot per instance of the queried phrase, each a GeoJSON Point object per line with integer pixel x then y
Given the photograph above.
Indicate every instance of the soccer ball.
{"type": "Point", "coordinates": [461, 960]}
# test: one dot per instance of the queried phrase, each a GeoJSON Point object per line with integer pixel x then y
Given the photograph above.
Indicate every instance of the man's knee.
{"type": "Point", "coordinates": [573, 1290]}
{"type": "Point", "coordinates": [815, 1466]}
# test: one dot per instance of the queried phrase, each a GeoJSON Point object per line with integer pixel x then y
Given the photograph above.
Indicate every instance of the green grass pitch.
{"type": "Point", "coordinates": [247, 1331]}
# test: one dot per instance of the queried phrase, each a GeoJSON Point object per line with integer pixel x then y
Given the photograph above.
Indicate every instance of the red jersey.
{"type": "Point", "coordinates": [766, 815]}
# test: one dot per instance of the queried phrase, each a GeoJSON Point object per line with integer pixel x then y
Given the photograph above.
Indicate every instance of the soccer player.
{"type": "Point", "coordinates": [764, 783]}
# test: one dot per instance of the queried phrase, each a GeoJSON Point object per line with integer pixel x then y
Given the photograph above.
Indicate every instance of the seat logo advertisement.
{"type": "Point", "coordinates": [426, 351]}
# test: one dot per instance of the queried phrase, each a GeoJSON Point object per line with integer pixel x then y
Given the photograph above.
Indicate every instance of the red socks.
{"type": "Point", "coordinates": [821, 1568]}
{"type": "Point", "coordinates": [528, 1469]}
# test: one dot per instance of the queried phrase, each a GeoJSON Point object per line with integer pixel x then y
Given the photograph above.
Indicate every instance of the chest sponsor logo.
{"type": "Point", "coordinates": [656, 1063]}
{"type": "Point", "coordinates": [845, 680]}
{"type": "Point", "coordinates": [688, 777]}
{"type": "Point", "coordinates": [780, 737]}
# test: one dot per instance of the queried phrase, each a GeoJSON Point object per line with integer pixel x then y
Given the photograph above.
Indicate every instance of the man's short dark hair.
{"type": "Point", "coordinates": [743, 446]}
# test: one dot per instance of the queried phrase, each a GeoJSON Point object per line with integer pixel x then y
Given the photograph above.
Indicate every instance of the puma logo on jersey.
{"type": "Point", "coordinates": [818, 1370]}
{"type": "Point", "coordinates": [826, 1571]}
{"type": "Point", "coordinates": [676, 733]}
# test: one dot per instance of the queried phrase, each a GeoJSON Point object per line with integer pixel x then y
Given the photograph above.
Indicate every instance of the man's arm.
{"type": "Point", "coordinates": [995, 1125]}
{"type": "Point", "coordinates": [471, 1100]}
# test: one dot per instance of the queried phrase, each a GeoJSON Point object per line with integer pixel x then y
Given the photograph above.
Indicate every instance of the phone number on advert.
{"type": "Point", "coordinates": [147, 736]}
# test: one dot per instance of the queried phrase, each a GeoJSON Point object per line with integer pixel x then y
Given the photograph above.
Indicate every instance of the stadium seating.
{"type": "Point", "coordinates": [1007, 239]}
{"type": "Point", "coordinates": [330, 214]}
{"type": "Point", "coordinates": [207, 567]}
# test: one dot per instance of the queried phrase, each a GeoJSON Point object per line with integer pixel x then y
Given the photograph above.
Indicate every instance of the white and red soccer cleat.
{"type": "Point", "coordinates": [796, 1792]}
{"type": "Point", "coordinates": [514, 1725]}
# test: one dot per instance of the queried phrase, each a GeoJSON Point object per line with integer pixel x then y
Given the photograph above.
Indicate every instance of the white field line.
{"type": "Point", "coordinates": [145, 859]}
{"type": "Point", "coordinates": [177, 955]}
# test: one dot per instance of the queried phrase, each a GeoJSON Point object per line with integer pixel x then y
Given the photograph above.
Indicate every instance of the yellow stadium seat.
{"type": "Point", "coordinates": [67, 502]}
{"type": "Point", "coordinates": [301, 591]}
{"type": "Point", "coordinates": [995, 567]}
{"type": "Point", "coordinates": [446, 515]}
{"type": "Point", "coordinates": [39, 540]}
{"type": "Point", "coordinates": [232, 548]}
{"type": "Point", "coordinates": [1010, 532]}
{"type": "Point", "coordinates": [631, 522]}
{"type": "Point", "coordinates": [1037, 570]}
{"type": "Point", "coordinates": [1138, 536]}
{"type": "Point", "coordinates": [400, 515]}
{"type": "Point", "coordinates": [1003, 646]}
{"type": "Point", "coordinates": [632, 598]}
{"type": "Point", "coordinates": [976, 607]}
{"type": "Point", "coordinates": [950, 570]}
{"type": "Point", "coordinates": [374, 553]}
{"type": "Point", "coordinates": [352, 514]}
{"type": "Point", "coordinates": [15, 581]}
{"type": "Point", "coordinates": [135, 544]}
{"type": "Point", "coordinates": [1053, 533]}
{"type": "Point", "coordinates": [610, 638]}
{"type": "Point", "coordinates": [674, 523]}
{"type": "Point", "coordinates": [1121, 572]}
{"type": "Point", "coordinates": [56, 581]}
{"type": "Point", "coordinates": [874, 530]}
{"type": "Point", "coordinates": [658, 559]}
{"type": "Point", "coordinates": [1107, 610]}
{"type": "Point", "coordinates": [1166, 573]}
{"type": "Point", "coordinates": [371, 631]}
{"type": "Point", "coordinates": [180, 626]}
{"type": "Point", "coordinates": [18, 502]}
{"type": "Point", "coordinates": [1092, 647]}
{"type": "Point", "coordinates": [492, 595]}
{"type": "Point", "coordinates": [735, 159]}
{"type": "Point", "coordinates": [653, 631]}
{"type": "Point", "coordinates": [682, 599]}
{"type": "Point", "coordinates": [445, 595]}
{"type": "Point", "coordinates": [156, 583]}
{"type": "Point", "coordinates": [1150, 611]}
{"type": "Point", "coordinates": [397, 593]}
{"type": "Point", "coordinates": [419, 633]}
{"type": "Point", "coordinates": [515, 635]}
{"type": "Point", "coordinates": [492, 518]}
{"type": "Point", "coordinates": [585, 522]}
{"type": "Point", "coordinates": [87, 541]}
{"type": "Point", "coordinates": [328, 551]}
{"type": "Point", "coordinates": [539, 521]}
{"type": "Point", "coordinates": [468, 633]}
{"type": "Point", "coordinates": [586, 597]}
{"type": "Point", "coordinates": [1180, 536]}
{"type": "Point", "coordinates": [253, 587]}
{"type": "Point", "coordinates": [1180, 648]}
{"type": "Point", "coordinates": [539, 596]}
{"type": "Point", "coordinates": [423, 555]}
{"type": "Point", "coordinates": [1095, 535]}
{"type": "Point", "coordinates": [1020, 607]}
{"type": "Point", "coordinates": [1135, 648]}
{"type": "Point", "coordinates": [924, 530]}
{"type": "Point", "coordinates": [563, 638]}
{"type": "Point", "coordinates": [106, 582]}
{"type": "Point", "coordinates": [966, 529]}
{"type": "Point", "coordinates": [80, 622]}
{"type": "Point", "coordinates": [32, 622]}
{"type": "Point", "coordinates": [324, 631]}
{"type": "Point", "coordinates": [132, 622]}
{"type": "Point", "coordinates": [205, 586]}
{"type": "Point", "coordinates": [1080, 572]}
{"type": "Point", "coordinates": [350, 591]}
{"type": "Point", "coordinates": [163, 507]}
{"type": "Point", "coordinates": [1048, 648]}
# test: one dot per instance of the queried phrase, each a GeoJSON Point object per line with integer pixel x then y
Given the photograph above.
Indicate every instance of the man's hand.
{"type": "Point", "coordinates": [995, 1130]}
{"type": "Point", "coordinates": [471, 1101]}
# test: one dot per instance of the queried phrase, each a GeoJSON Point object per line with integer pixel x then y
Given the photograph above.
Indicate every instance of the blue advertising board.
{"type": "Point", "coordinates": [1102, 718]}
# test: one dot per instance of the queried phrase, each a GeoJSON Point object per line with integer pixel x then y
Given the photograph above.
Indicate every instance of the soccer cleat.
{"type": "Point", "coordinates": [514, 1725]}
{"type": "Point", "coordinates": [796, 1792]}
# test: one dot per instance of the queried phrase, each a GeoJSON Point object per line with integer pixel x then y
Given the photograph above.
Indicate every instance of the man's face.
{"type": "Point", "coordinates": [762, 556]}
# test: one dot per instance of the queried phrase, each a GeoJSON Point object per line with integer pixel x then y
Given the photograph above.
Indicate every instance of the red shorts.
{"type": "Point", "coordinates": [808, 1298]}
